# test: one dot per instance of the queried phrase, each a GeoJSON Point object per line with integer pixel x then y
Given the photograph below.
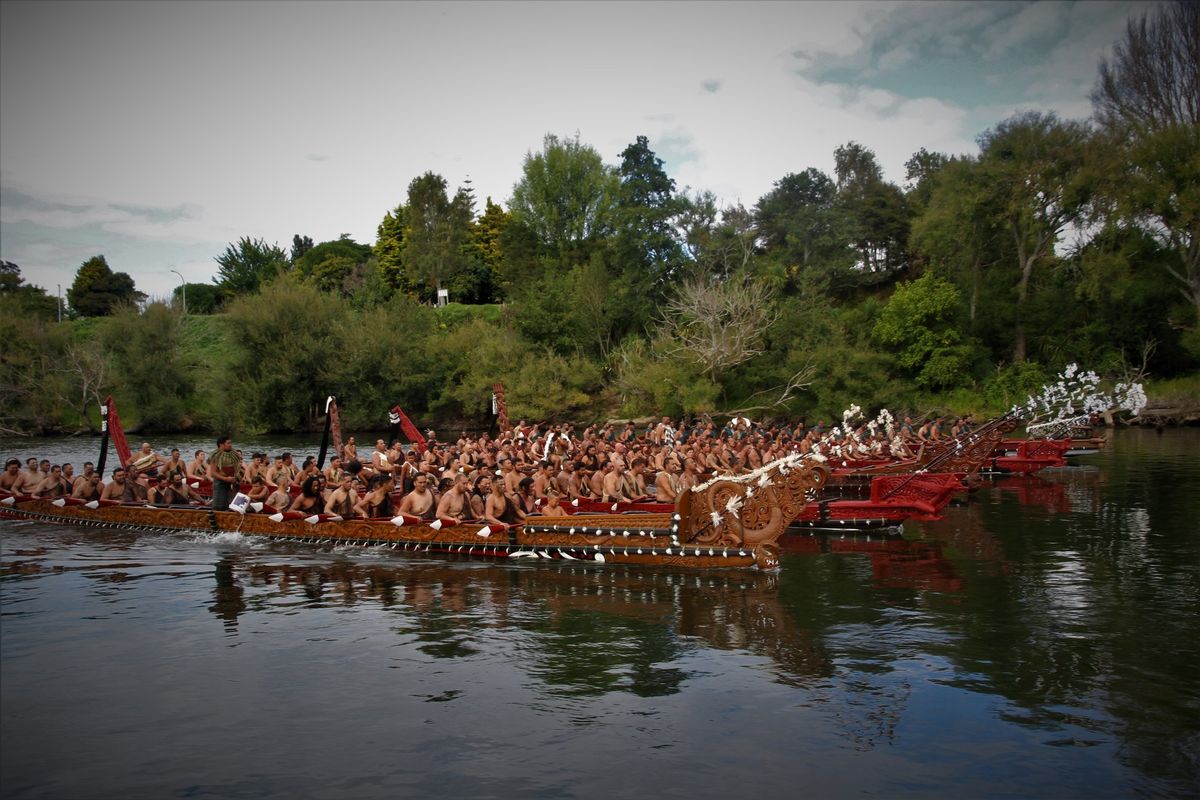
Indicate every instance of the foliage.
{"type": "Point", "coordinates": [28, 298]}
{"type": "Point", "coordinates": [654, 379]}
{"type": "Point", "coordinates": [247, 264]}
{"type": "Point", "coordinates": [566, 196]}
{"type": "Point", "coordinates": [300, 246]}
{"type": "Point", "coordinates": [31, 388]}
{"type": "Point", "coordinates": [921, 324]}
{"type": "Point", "coordinates": [98, 291]}
{"type": "Point", "coordinates": [338, 265]}
{"type": "Point", "coordinates": [146, 353]}
{"type": "Point", "coordinates": [202, 298]}
{"type": "Point", "coordinates": [287, 354]}
{"type": "Point", "coordinates": [389, 249]}
{"type": "Point", "coordinates": [1036, 168]}
{"type": "Point", "coordinates": [437, 231]}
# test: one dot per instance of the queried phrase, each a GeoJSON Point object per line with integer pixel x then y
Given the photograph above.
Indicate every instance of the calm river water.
{"type": "Point", "coordinates": [1041, 640]}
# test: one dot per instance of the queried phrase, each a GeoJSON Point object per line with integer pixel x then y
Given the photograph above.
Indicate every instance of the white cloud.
{"type": "Point", "coordinates": [119, 114]}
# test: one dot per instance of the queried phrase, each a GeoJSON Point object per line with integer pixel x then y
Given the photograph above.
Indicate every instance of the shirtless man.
{"type": "Point", "coordinates": [342, 499]}
{"type": "Point", "coordinates": [174, 464]}
{"type": "Point", "coordinates": [29, 479]}
{"type": "Point", "coordinates": [333, 473]}
{"type": "Point", "coordinates": [88, 469]}
{"type": "Point", "coordinates": [184, 494]}
{"type": "Point", "coordinates": [115, 490]}
{"type": "Point", "coordinates": [614, 485]}
{"type": "Point", "coordinates": [510, 476]}
{"type": "Point", "coordinates": [596, 481]}
{"type": "Point", "coordinates": [500, 508]}
{"type": "Point", "coordinates": [196, 468]}
{"type": "Point", "coordinates": [454, 504]}
{"type": "Point", "coordinates": [54, 485]}
{"type": "Point", "coordinates": [257, 467]}
{"type": "Point", "coordinates": [160, 494]}
{"type": "Point", "coordinates": [553, 507]}
{"type": "Point", "coordinates": [420, 501]}
{"type": "Point", "coordinates": [12, 471]}
{"type": "Point", "coordinates": [279, 499]}
{"type": "Point", "coordinates": [667, 486]}
{"type": "Point", "coordinates": [285, 473]}
{"type": "Point", "coordinates": [88, 485]}
{"type": "Point", "coordinates": [543, 480]}
{"type": "Point", "coordinates": [635, 480]}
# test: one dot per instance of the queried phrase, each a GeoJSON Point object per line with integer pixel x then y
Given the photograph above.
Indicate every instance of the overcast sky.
{"type": "Point", "coordinates": [156, 133]}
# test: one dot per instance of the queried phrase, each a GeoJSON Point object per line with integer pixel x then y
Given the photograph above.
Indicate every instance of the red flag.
{"type": "Point", "coordinates": [117, 433]}
{"type": "Point", "coordinates": [410, 430]}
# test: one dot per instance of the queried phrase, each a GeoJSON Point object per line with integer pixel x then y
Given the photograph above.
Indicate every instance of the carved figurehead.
{"type": "Point", "coordinates": [751, 510]}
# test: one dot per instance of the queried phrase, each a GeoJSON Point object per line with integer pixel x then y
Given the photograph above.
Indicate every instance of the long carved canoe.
{"type": "Point", "coordinates": [730, 522]}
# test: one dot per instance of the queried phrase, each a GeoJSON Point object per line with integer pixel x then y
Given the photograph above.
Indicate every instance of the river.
{"type": "Point", "coordinates": [1040, 640]}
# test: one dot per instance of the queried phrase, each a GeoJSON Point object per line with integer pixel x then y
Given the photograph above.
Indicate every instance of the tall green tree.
{"type": "Point", "coordinates": [800, 226]}
{"type": "Point", "coordinates": [566, 196]}
{"type": "Point", "coordinates": [389, 249]}
{"type": "Point", "coordinates": [437, 232]}
{"type": "Point", "coordinates": [645, 255]}
{"type": "Point", "coordinates": [959, 231]}
{"type": "Point", "coordinates": [247, 264]}
{"type": "Point", "coordinates": [98, 291]}
{"type": "Point", "coordinates": [487, 236]}
{"type": "Point", "coordinates": [921, 323]}
{"type": "Point", "coordinates": [1036, 167]}
{"type": "Point", "coordinates": [874, 212]}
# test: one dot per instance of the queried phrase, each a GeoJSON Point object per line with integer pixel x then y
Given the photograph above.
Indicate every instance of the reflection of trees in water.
{"type": "Point", "coordinates": [1078, 614]}
{"type": "Point", "coordinates": [594, 630]}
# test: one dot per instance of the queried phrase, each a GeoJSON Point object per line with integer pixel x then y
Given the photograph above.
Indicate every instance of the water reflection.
{"type": "Point", "coordinates": [591, 630]}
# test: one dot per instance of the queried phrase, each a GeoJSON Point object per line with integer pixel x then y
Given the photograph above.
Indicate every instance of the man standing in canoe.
{"type": "Point", "coordinates": [224, 469]}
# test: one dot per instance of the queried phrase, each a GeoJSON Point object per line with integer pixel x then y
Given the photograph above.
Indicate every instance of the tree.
{"type": "Point", "coordinates": [643, 255]}
{"type": "Point", "coordinates": [959, 229]}
{"type": "Point", "coordinates": [1153, 80]}
{"type": "Point", "coordinates": [798, 222]}
{"type": "Point", "coordinates": [300, 246]}
{"type": "Point", "coordinates": [720, 324]}
{"type": "Point", "coordinates": [920, 171]}
{"type": "Point", "coordinates": [202, 298]}
{"type": "Point", "coordinates": [98, 291]}
{"type": "Point", "coordinates": [566, 196]}
{"type": "Point", "coordinates": [247, 264]}
{"type": "Point", "coordinates": [332, 265]}
{"type": "Point", "coordinates": [1148, 100]}
{"type": "Point", "coordinates": [1035, 168]}
{"type": "Point", "coordinates": [875, 212]}
{"type": "Point", "coordinates": [146, 353]}
{"type": "Point", "coordinates": [30, 298]}
{"type": "Point", "coordinates": [437, 232]}
{"type": "Point", "coordinates": [389, 248]}
{"type": "Point", "coordinates": [920, 322]}
{"type": "Point", "coordinates": [487, 235]}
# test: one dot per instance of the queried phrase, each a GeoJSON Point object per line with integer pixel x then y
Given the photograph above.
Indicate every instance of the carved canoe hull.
{"type": "Point", "coordinates": [616, 538]}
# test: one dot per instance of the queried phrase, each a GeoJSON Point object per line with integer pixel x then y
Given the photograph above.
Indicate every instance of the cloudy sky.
{"type": "Point", "coordinates": [158, 132]}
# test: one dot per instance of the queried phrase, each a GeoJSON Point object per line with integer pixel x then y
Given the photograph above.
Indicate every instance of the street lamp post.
{"type": "Point", "coordinates": [182, 290]}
